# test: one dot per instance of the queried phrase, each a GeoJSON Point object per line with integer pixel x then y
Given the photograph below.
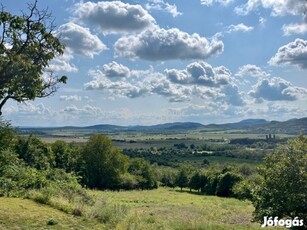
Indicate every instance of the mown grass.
{"type": "Point", "coordinates": [17, 213]}
{"type": "Point", "coordinates": [167, 208]}
{"type": "Point", "coordinates": [163, 208]}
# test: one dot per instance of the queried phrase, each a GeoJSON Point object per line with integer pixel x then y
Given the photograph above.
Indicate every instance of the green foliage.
{"type": "Point", "coordinates": [27, 44]}
{"type": "Point", "coordinates": [283, 186]}
{"type": "Point", "coordinates": [103, 163]}
{"type": "Point", "coordinates": [144, 173]}
{"type": "Point", "coordinates": [52, 222]}
{"type": "Point", "coordinates": [212, 179]}
{"type": "Point", "coordinates": [226, 182]}
{"type": "Point", "coordinates": [35, 153]}
{"type": "Point", "coordinates": [195, 182]}
{"type": "Point", "coordinates": [15, 177]}
{"type": "Point", "coordinates": [7, 135]}
{"type": "Point", "coordinates": [67, 156]}
{"type": "Point", "coordinates": [182, 178]}
{"type": "Point", "coordinates": [244, 190]}
{"type": "Point", "coordinates": [63, 192]}
{"type": "Point", "coordinates": [168, 177]}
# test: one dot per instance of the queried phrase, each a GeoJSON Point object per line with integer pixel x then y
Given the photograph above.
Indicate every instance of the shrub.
{"type": "Point", "coordinates": [283, 185]}
{"type": "Point", "coordinates": [225, 184]}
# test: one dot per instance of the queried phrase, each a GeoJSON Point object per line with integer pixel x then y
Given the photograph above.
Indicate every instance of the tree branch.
{"type": "Point", "coordinates": [3, 102]}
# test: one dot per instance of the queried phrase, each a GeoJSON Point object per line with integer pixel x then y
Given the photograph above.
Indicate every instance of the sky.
{"type": "Point", "coordinates": [158, 61]}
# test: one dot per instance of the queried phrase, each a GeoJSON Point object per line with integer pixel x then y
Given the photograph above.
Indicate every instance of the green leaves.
{"type": "Point", "coordinates": [27, 45]}
{"type": "Point", "coordinates": [104, 164]}
{"type": "Point", "coordinates": [282, 191]}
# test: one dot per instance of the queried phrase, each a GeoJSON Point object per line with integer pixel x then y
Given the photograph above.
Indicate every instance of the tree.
{"type": "Point", "coordinates": [67, 156]}
{"type": "Point", "coordinates": [7, 135]}
{"type": "Point", "coordinates": [282, 190]}
{"type": "Point", "coordinates": [144, 172]}
{"type": "Point", "coordinates": [27, 44]}
{"type": "Point", "coordinates": [195, 181]}
{"type": "Point", "coordinates": [104, 165]}
{"type": "Point", "coordinates": [225, 184]}
{"type": "Point", "coordinates": [35, 153]}
{"type": "Point", "coordinates": [182, 178]}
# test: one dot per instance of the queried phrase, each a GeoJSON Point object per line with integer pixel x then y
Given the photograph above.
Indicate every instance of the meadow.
{"type": "Point", "coordinates": [163, 208]}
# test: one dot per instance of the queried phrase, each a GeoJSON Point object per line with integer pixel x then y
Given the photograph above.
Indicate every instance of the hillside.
{"type": "Point", "coordinates": [293, 126]}
{"type": "Point", "coordinates": [149, 209]}
{"type": "Point", "coordinates": [17, 213]}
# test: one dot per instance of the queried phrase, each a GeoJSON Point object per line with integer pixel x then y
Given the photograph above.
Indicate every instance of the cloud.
{"type": "Point", "coordinates": [262, 21]}
{"type": "Point", "coordinates": [148, 84]}
{"type": "Point", "coordinates": [200, 73]}
{"type": "Point", "coordinates": [70, 98]}
{"type": "Point", "coordinates": [293, 53]}
{"type": "Point", "coordinates": [29, 109]}
{"type": "Point", "coordinates": [232, 95]}
{"type": "Point", "coordinates": [294, 28]}
{"type": "Point", "coordinates": [198, 80]}
{"type": "Point", "coordinates": [87, 110]}
{"type": "Point", "coordinates": [162, 86]}
{"type": "Point", "coordinates": [276, 89]}
{"type": "Point", "coordinates": [161, 44]}
{"type": "Point", "coordinates": [279, 8]}
{"type": "Point", "coordinates": [118, 88]}
{"type": "Point", "coordinates": [252, 71]}
{"type": "Point", "coordinates": [115, 70]}
{"type": "Point", "coordinates": [61, 64]}
{"type": "Point", "coordinates": [114, 16]}
{"type": "Point", "coordinates": [234, 28]}
{"type": "Point", "coordinates": [80, 40]}
{"type": "Point", "coordinates": [161, 5]}
{"type": "Point", "coordinates": [239, 27]}
{"type": "Point", "coordinates": [211, 2]}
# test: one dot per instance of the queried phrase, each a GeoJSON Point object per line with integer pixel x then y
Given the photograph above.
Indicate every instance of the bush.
{"type": "Point", "coordinates": [225, 184]}
{"type": "Point", "coordinates": [283, 185]}
{"type": "Point", "coordinates": [144, 173]}
{"type": "Point", "coordinates": [16, 178]}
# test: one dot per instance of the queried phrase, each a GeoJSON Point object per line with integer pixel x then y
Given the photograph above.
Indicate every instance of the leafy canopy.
{"type": "Point", "coordinates": [27, 44]}
{"type": "Point", "coordinates": [283, 189]}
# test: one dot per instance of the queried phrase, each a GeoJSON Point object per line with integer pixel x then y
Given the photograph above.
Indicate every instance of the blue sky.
{"type": "Point", "coordinates": [156, 61]}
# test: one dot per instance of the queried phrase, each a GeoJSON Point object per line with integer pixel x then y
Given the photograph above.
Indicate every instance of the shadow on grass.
{"type": "Point", "coordinates": [193, 192]}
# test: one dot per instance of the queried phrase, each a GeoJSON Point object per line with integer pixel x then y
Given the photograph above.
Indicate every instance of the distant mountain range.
{"type": "Point", "coordinates": [293, 126]}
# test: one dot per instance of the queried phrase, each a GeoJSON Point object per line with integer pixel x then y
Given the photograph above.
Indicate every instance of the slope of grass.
{"type": "Point", "coordinates": [17, 213]}
{"type": "Point", "coordinates": [163, 208]}
{"type": "Point", "coordinates": [166, 208]}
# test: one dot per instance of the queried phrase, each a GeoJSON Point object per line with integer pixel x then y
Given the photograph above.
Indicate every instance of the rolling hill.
{"type": "Point", "coordinates": [293, 126]}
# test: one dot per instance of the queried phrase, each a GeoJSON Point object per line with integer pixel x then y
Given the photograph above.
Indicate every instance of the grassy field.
{"type": "Point", "coordinates": [163, 208]}
{"type": "Point", "coordinates": [167, 208]}
{"type": "Point", "coordinates": [17, 213]}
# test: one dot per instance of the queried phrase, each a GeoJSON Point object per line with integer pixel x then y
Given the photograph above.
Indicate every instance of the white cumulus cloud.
{"type": "Point", "coordinates": [80, 40]}
{"type": "Point", "coordinates": [114, 16]}
{"type": "Point", "coordinates": [278, 7]}
{"type": "Point", "coordinates": [252, 71]}
{"type": "Point", "coordinates": [293, 53]}
{"type": "Point", "coordinates": [276, 89]}
{"type": "Point", "coordinates": [161, 5]}
{"type": "Point", "coordinates": [200, 73]}
{"type": "Point", "coordinates": [295, 28]}
{"type": "Point", "coordinates": [167, 44]}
